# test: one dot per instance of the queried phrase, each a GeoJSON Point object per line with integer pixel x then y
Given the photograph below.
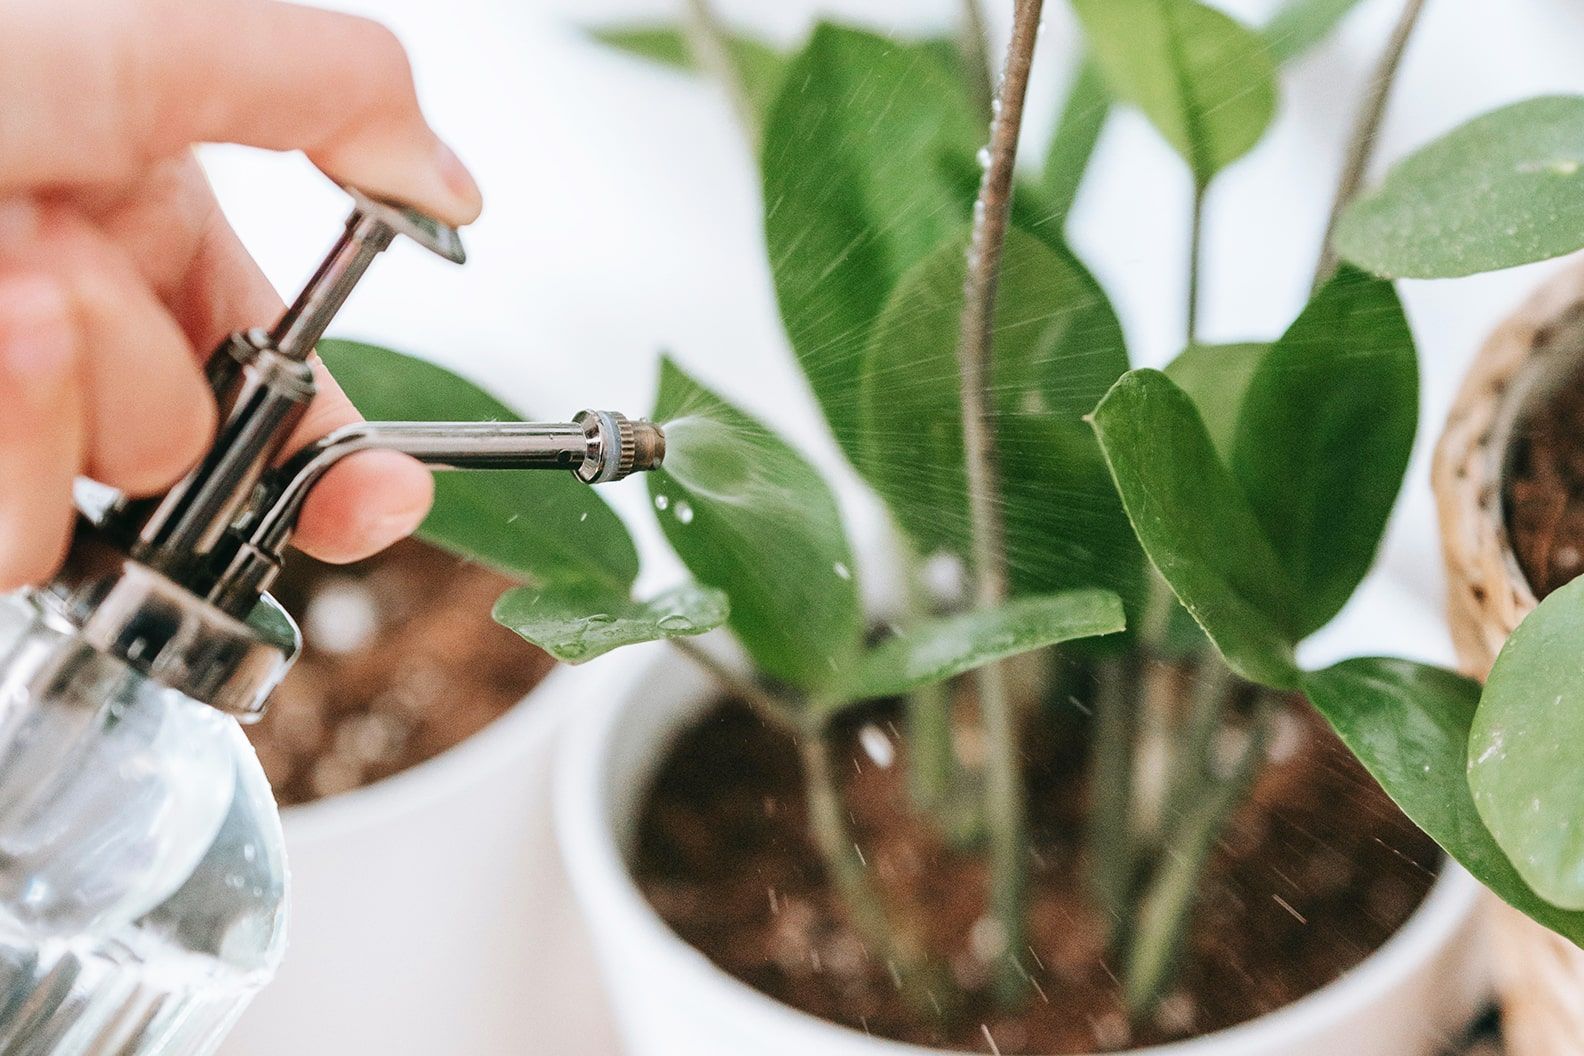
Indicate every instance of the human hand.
{"type": "Point", "coordinates": [118, 272]}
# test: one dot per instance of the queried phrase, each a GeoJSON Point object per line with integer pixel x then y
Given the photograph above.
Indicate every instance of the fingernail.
{"type": "Point", "coordinates": [37, 344]}
{"type": "Point", "coordinates": [457, 178]}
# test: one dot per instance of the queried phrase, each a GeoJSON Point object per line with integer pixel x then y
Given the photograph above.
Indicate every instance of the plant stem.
{"type": "Point", "coordinates": [974, 43]}
{"type": "Point", "coordinates": [1166, 904]}
{"type": "Point", "coordinates": [710, 44]}
{"type": "Point", "coordinates": [1366, 125]}
{"type": "Point", "coordinates": [1194, 764]}
{"type": "Point", "coordinates": [930, 759]}
{"type": "Point", "coordinates": [932, 765]}
{"type": "Point", "coordinates": [1111, 788]}
{"type": "Point", "coordinates": [1004, 807]}
{"type": "Point", "coordinates": [1195, 252]}
{"type": "Point", "coordinates": [848, 872]}
{"type": "Point", "coordinates": [764, 703]}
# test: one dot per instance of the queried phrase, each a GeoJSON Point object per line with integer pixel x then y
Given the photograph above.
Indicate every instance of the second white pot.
{"type": "Point", "coordinates": [1407, 999]}
{"type": "Point", "coordinates": [430, 912]}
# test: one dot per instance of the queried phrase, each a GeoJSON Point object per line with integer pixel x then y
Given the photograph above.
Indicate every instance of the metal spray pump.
{"type": "Point", "coordinates": [142, 875]}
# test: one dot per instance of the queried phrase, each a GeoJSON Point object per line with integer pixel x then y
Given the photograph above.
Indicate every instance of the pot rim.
{"type": "Point", "coordinates": [454, 772]}
{"type": "Point", "coordinates": [589, 849]}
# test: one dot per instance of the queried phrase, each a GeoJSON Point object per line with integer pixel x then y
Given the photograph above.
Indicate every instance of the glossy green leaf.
{"type": "Point", "coordinates": [1524, 748]}
{"type": "Point", "coordinates": [935, 650]}
{"type": "Point", "coordinates": [759, 65]}
{"type": "Point", "coordinates": [749, 516]}
{"type": "Point", "coordinates": [1197, 527]}
{"type": "Point", "coordinates": [1216, 378]}
{"type": "Point", "coordinates": [577, 622]}
{"type": "Point", "coordinates": [1072, 144]}
{"type": "Point", "coordinates": [1299, 25]}
{"type": "Point", "coordinates": [858, 186]}
{"type": "Point", "coordinates": [1506, 188]}
{"type": "Point", "coordinates": [1203, 79]}
{"type": "Point", "coordinates": [534, 525]}
{"type": "Point", "coordinates": [1057, 348]}
{"type": "Point", "coordinates": [1324, 435]}
{"type": "Point", "coordinates": [1409, 725]}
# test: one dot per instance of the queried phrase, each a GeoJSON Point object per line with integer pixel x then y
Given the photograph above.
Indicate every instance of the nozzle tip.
{"type": "Point", "coordinates": [624, 446]}
{"type": "Point", "coordinates": [649, 446]}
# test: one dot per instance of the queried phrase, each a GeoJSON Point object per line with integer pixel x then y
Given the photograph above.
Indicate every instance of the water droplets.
{"type": "Point", "coordinates": [842, 571]}
{"type": "Point", "coordinates": [662, 502]}
{"type": "Point", "coordinates": [684, 512]}
{"type": "Point", "coordinates": [983, 157]}
{"type": "Point", "coordinates": [877, 746]}
{"type": "Point", "coordinates": [676, 621]}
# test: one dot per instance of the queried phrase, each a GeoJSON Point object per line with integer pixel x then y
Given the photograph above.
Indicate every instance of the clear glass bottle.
{"type": "Point", "coordinates": [142, 871]}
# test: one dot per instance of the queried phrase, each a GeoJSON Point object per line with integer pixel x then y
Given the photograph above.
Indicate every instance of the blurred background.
{"type": "Point", "coordinates": [623, 218]}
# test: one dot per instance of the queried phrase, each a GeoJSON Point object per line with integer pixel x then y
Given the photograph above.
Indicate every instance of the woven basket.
{"type": "Point", "coordinates": [1540, 976]}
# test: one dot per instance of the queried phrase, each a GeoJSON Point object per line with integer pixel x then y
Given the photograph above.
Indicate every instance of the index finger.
{"type": "Point", "coordinates": [97, 95]}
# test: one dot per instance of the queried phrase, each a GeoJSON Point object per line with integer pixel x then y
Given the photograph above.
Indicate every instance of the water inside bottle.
{"type": "Point", "coordinates": [142, 875]}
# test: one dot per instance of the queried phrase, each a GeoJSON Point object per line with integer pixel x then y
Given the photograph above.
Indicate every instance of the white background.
{"type": "Point", "coordinates": [622, 218]}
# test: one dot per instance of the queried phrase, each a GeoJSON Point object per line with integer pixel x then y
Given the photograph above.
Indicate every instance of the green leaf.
{"type": "Point", "coordinates": [1506, 188]}
{"type": "Point", "coordinates": [1301, 24]}
{"type": "Point", "coordinates": [758, 64]}
{"type": "Point", "coordinates": [1524, 748]}
{"type": "Point", "coordinates": [935, 650]}
{"type": "Point", "coordinates": [1202, 78]}
{"type": "Point", "coordinates": [1324, 435]}
{"type": "Point", "coordinates": [858, 188]}
{"type": "Point", "coordinates": [1409, 725]}
{"type": "Point", "coordinates": [1057, 348]}
{"type": "Point", "coordinates": [1197, 527]}
{"type": "Point", "coordinates": [1297, 26]}
{"type": "Point", "coordinates": [1216, 378]}
{"type": "Point", "coordinates": [534, 525]}
{"type": "Point", "coordinates": [575, 622]}
{"type": "Point", "coordinates": [749, 516]}
{"type": "Point", "coordinates": [1073, 143]}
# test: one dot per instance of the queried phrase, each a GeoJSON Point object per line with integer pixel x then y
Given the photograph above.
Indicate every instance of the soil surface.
{"type": "Point", "coordinates": [1545, 488]}
{"type": "Point", "coordinates": [401, 661]}
{"type": "Point", "coordinates": [1313, 873]}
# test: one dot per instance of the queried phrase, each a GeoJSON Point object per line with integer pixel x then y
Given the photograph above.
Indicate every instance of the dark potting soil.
{"type": "Point", "coordinates": [1545, 488]}
{"type": "Point", "coordinates": [400, 662]}
{"type": "Point", "coordinates": [1312, 874]}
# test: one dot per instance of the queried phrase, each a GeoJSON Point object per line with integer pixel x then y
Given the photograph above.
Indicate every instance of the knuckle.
{"type": "Point", "coordinates": [384, 55]}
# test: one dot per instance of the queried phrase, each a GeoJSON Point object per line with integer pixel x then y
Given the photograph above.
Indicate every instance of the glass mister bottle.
{"type": "Point", "coordinates": [143, 875]}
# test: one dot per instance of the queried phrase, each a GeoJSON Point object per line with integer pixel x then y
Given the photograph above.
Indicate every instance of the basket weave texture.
{"type": "Point", "coordinates": [1540, 976]}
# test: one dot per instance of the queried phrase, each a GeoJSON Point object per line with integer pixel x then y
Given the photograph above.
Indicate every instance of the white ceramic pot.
{"type": "Point", "coordinates": [1418, 990]}
{"type": "Point", "coordinates": [430, 913]}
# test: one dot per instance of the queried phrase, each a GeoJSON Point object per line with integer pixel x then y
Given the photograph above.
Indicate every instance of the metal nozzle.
{"type": "Point", "coordinates": [618, 446]}
{"type": "Point", "coordinates": [596, 446]}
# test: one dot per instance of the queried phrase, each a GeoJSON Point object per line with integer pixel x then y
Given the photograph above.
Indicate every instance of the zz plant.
{"type": "Point", "coordinates": [1203, 519]}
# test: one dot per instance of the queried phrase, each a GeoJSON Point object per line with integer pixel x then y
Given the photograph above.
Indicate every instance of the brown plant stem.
{"type": "Point", "coordinates": [708, 41]}
{"type": "Point", "coordinates": [1004, 807]}
{"type": "Point", "coordinates": [1366, 126]}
